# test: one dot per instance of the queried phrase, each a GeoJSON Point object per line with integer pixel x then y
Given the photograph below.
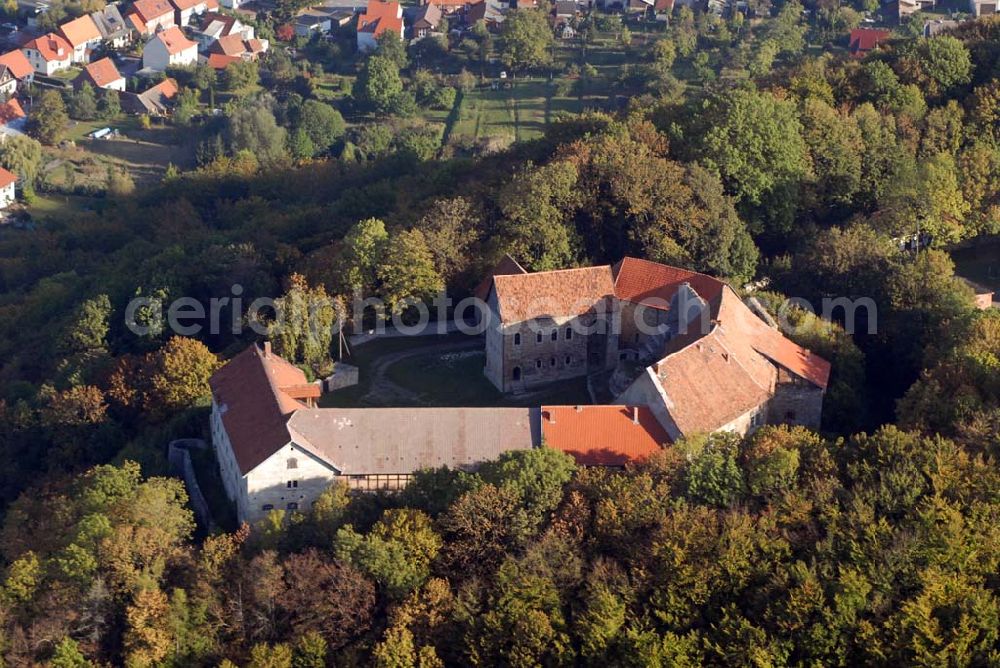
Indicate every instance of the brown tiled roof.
{"type": "Point", "coordinates": [654, 284]}
{"type": "Point", "coordinates": [6, 178]}
{"type": "Point", "coordinates": [505, 267]}
{"type": "Point", "coordinates": [219, 61]}
{"type": "Point", "coordinates": [564, 292]}
{"type": "Point", "coordinates": [18, 63]}
{"type": "Point", "coordinates": [80, 31]}
{"type": "Point", "coordinates": [186, 4]}
{"type": "Point", "coordinates": [152, 9]}
{"type": "Point", "coordinates": [136, 22]}
{"type": "Point", "coordinates": [603, 435]}
{"type": "Point", "coordinates": [863, 40]}
{"type": "Point", "coordinates": [51, 47]}
{"type": "Point", "coordinates": [102, 72]}
{"type": "Point", "coordinates": [254, 407]}
{"type": "Point", "coordinates": [708, 385]}
{"type": "Point", "coordinates": [10, 111]}
{"type": "Point", "coordinates": [404, 440]}
{"type": "Point", "coordinates": [174, 40]}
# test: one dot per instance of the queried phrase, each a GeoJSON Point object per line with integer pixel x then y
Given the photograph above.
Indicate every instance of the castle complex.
{"type": "Point", "coordinates": [685, 354]}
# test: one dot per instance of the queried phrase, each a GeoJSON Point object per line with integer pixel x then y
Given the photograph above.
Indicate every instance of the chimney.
{"type": "Point", "coordinates": [635, 415]}
{"type": "Point", "coordinates": [267, 349]}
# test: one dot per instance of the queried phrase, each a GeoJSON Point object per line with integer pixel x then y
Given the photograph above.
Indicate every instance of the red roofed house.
{"type": "Point", "coordinates": [101, 74]}
{"type": "Point", "coordinates": [233, 48]}
{"type": "Point", "coordinates": [8, 181]}
{"type": "Point", "coordinates": [83, 35]}
{"type": "Point", "coordinates": [49, 54]}
{"type": "Point", "coordinates": [377, 19]}
{"type": "Point", "coordinates": [18, 66]}
{"type": "Point", "coordinates": [169, 48]}
{"type": "Point", "coordinates": [149, 15]}
{"type": "Point", "coordinates": [708, 362]}
{"type": "Point", "coordinates": [863, 40]}
{"type": "Point", "coordinates": [155, 101]}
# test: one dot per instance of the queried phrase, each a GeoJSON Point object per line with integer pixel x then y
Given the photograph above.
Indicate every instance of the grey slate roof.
{"type": "Point", "coordinates": [404, 440]}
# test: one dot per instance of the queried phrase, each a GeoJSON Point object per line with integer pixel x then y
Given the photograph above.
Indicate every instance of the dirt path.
{"type": "Point", "coordinates": [384, 392]}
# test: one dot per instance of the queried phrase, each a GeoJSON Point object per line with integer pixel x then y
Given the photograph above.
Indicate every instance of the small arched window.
{"type": "Point", "coordinates": [538, 364]}
{"type": "Point", "coordinates": [292, 506]}
{"type": "Point", "coordinates": [293, 463]}
{"type": "Point", "coordinates": [517, 373]}
{"type": "Point", "coordinates": [569, 360]}
{"type": "Point", "coordinates": [555, 335]}
{"type": "Point", "coordinates": [569, 333]}
{"type": "Point", "coordinates": [517, 339]}
{"type": "Point", "coordinates": [552, 361]}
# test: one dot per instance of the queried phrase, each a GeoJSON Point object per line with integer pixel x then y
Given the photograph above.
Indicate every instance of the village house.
{"type": "Point", "coordinates": [83, 35]}
{"type": "Point", "coordinates": [169, 48]}
{"type": "Point", "coordinates": [101, 74]}
{"type": "Point", "coordinates": [48, 54]}
{"type": "Point", "coordinates": [115, 31]}
{"type": "Point", "coordinates": [277, 451]}
{"type": "Point", "coordinates": [426, 19]}
{"type": "Point", "coordinates": [8, 181]}
{"type": "Point", "coordinates": [378, 18]}
{"type": "Point", "coordinates": [233, 48]}
{"type": "Point", "coordinates": [216, 26]}
{"type": "Point", "coordinates": [149, 16]}
{"type": "Point", "coordinates": [863, 40]}
{"type": "Point", "coordinates": [907, 7]}
{"type": "Point", "coordinates": [313, 21]}
{"type": "Point", "coordinates": [449, 6]}
{"type": "Point", "coordinates": [488, 11]}
{"type": "Point", "coordinates": [18, 66]}
{"type": "Point", "coordinates": [154, 101]}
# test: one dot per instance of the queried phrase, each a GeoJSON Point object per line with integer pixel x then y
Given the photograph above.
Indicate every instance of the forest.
{"type": "Point", "coordinates": [869, 543]}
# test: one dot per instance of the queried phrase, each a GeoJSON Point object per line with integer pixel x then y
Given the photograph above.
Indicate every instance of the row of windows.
{"type": "Point", "coordinates": [538, 365]}
{"type": "Point", "coordinates": [291, 505]}
{"type": "Point", "coordinates": [554, 335]}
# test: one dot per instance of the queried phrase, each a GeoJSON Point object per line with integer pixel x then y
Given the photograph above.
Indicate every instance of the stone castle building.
{"type": "Point", "coordinates": [702, 360]}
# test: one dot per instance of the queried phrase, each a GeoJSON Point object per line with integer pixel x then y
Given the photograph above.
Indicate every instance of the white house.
{"type": "Point", "coordinates": [984, 7]}
{"type": "Point", "coordinates": [148, 16]}
{"type": "Point", "coordinates": [83, 35]}
{"type": "Point", "coordinates": [169, 48]}
{"type": "Point", "coordinates": [115, 31]}
{"type": "Point", "coordinates": [378, 18]}
{"type": "Point", "coordinates": [7, 181]}
{"type": "Point", "coordinates": [102, 74]}
{"type": "Point", "coordinates": [185, 10]}
{"type": "Point", "coordinates": [48, 54]}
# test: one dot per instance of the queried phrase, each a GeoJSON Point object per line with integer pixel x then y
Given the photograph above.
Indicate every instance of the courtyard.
{"type": "Point", "coordinates": [437, 371]}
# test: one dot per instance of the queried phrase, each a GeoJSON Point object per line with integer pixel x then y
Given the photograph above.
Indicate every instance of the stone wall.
{"type": "Point", "coordinates": [796, 401]}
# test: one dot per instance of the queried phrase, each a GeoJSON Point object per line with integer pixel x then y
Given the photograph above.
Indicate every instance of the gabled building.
{"type": "Point", "coordinates": [449, 6]}
{"type": "Point", "coordinates": [863, 40]}
{"type": "Point", "coordinates": [115, 31]}
{"type": "Point", "coordinates": [48, 54]}
{"type": "Point", "coordinates": [83, 35]}
{"type": "Point", "coordinates": [169, 48]}
{"type": "Point", "coordinates": [12, 119]}
{"type": "Point", "coordinates": [233, 48]}
{"type": "Point", "coordinates": [426, 20]}
{"type": "Point", "coordinates": [488, 11]}
{"type": "Point", "coordinates": [216, 26]}
{"type": "Point", "coordinates": [8, 82]}
{"type": "Point", "coordinates": [185, 11]}
{"type": "Point", "coordinates": [378, 18]}
{"type": "Point", "coordinates": [18, 66]}
{"type": "Point", "coordinates": [101, 74]}
{"type": "Point", "coordinates": [155, 101]}
{"type": "Point", "coordinates": [149, 16]}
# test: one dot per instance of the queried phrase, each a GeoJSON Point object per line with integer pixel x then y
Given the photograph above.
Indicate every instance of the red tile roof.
{"type": "Point", "coordinates": [174, 40]}
{"type": "Point", "coordinates": [381, 16]}
{"type": "Point", "coordinates": [10, 111]}
{"type": "Point", "coordinates": [186, 4]}
{"type": "Point", "coordinates": [18, 63]}
{"type": "Point", "coordinates": [564, 292]}
{"type": "Point", "coordinates": [654, 284]}
{"type": "Point", "coordinates": [448, 3]}
{"type": "Point", "coordinates": [149, 10]}
{"type": "Point", "coordinates": [219, 61]}
{"type": "Point", "coordinates": [603, 435]}
{"type": "Point", "coordinates": [51, 47]}
{"type": "Point", "coordinates": [102, 72]}
{"type": "Point", "coordinates": [80, 31]}
{"type": "Point", "coordinates": [863, 40]}
{"type": "Point", "coordinates": [6, 178]}
{"type": "Point", "coordinates": [254, 407]}
{"type": "Point", "coordinates": [505, 267]}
